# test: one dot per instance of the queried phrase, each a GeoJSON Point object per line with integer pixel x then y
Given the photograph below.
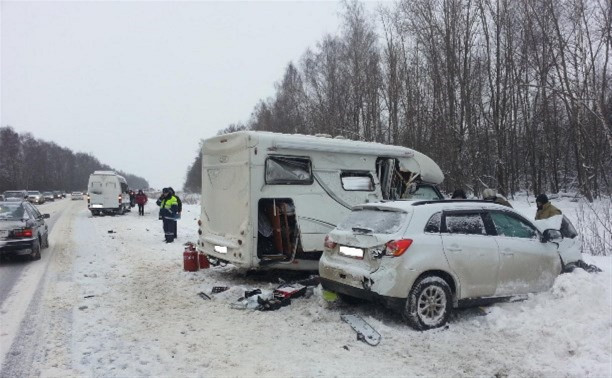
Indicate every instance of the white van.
{"type": "Point", "coordinates": [107, 193]}
{"type": "Point", "coordinates": [268, 199]}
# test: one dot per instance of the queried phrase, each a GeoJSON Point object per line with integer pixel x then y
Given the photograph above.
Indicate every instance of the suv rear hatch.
{"type": "Point", "coordinates": [358, 246]}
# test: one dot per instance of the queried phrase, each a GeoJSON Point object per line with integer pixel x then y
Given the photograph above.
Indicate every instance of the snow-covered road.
{"type": "Point", "coordinates": [111, 299]}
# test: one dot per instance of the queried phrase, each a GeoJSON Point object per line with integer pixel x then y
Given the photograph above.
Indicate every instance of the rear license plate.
{"type": "Point", "coordinates": [356, 253]}
{"type": "Point", "coordinates": [96, 206]}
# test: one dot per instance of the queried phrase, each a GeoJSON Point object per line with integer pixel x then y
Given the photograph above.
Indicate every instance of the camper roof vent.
{"type": "Point", "coordinates": [323, 135]}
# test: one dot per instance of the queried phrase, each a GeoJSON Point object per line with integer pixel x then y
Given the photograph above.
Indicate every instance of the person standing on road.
{"type": "Point", "coordinates": [168, 210]}
{"type": "Point", "coordinates": [545, 208]}
{"type": "Point", "coordinates": [180, 207]}
{"type": "Point", "coordinates": [491, 195]}
{"type": "Point", "coordinates": [141, 200]}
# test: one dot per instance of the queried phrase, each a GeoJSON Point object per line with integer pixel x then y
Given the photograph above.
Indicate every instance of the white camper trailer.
{"type": "Point", "coordinates": [107, 193]}
{"type": "Point", "coordinates": [269, 200]}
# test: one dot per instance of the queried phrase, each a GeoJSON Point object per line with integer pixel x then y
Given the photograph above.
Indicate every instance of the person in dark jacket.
{"type": "Point", "coordinates": [545, 208]}
{"type": "Point", "coordinates": [180, 207]}
{"type": "Point", "coordinates": [458, 194]}
{"type": "Point", "coordinates": [132, 198]}
{"type": "Point", "coordinates": [168, 210]}
{"type": "Point", "coordinates": [141, 200]}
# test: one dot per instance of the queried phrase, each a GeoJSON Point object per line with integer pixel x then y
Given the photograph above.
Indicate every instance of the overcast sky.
{"type": "Point", "coordinates": [138, 84]}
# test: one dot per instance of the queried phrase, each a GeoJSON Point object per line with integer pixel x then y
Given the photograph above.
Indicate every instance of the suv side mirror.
{"type": "Point", "coordinates": [552, 235]}
{"type": "Point", "coordinates": [46, 216]}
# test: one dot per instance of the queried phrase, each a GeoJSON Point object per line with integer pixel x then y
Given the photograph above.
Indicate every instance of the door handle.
{"type": "Point", "coordinates": [507, 253]}
{"type": "Point", "coordinates": [454, 249]}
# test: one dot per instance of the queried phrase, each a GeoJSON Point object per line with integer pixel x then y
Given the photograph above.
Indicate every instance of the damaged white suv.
{"type": "Point", "coordinates": [425, 258]}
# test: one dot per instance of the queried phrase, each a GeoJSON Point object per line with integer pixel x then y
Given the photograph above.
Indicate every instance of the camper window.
{"type": "Point", "coordinates": [288, 170]}
{"type": "Point", "coordinates": [357, 181]}
{"type": "Point", "coordinates": [124, 188]}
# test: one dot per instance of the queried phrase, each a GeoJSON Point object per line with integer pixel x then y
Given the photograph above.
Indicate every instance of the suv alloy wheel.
{"type": "Point", "coordinates": [429, 303]}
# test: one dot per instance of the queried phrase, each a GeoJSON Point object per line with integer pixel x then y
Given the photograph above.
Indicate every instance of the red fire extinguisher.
{"type": "Point", "coordinates": [190, 259]}
{"type": "Point", "coordinates": [203, 260]}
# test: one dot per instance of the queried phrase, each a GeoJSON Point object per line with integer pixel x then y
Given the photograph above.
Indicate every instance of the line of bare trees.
{"type": "Point", "coordinates": [509, 94]}
{"type": "Point", "coordinates": [30, 163]}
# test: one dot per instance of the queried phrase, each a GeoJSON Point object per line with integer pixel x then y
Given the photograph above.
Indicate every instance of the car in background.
{"type": "Point", "coordinates": [49, 196]}
{"type": "Point", "coordinates": [15, 195]}
{"type": "Point", "coordinates": [22, 230]}
{"type": "Point", "coordinates": [36, 197]}
{"type": "Point", "coordinates": [76, 195]}
{"type": "Point", "coordinates": [108, 193]}
{"type": "Point", "coordinates": [57, 194]}
{"type": "Point", "coordinates": [424, 258]}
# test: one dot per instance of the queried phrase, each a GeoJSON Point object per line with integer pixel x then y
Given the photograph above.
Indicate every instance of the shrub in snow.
{"type": "Point", "coordinates": [594, 226]}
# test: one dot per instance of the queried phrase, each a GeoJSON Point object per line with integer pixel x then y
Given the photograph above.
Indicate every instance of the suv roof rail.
{"type": "Point", "coordinates": [419, 203]}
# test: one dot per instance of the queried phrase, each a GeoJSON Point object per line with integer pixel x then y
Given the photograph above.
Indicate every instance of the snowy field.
{"type": "Point", "coordinates": [119, 304]}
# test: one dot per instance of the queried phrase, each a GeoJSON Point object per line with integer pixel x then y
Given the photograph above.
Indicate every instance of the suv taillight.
{"type": "Point", "coordinates": [328, 243]}
{"type": "Point", "coordinates": [23, 233]}
{"type": "Point", "coordinates": [120, 198]}
{"type": "Point", "coordinates": [396, 248]}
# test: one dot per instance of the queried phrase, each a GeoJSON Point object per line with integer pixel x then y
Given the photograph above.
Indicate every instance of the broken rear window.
{"type": "Point", "coordinates": [288, 170]}
{"type": "Point", "coordinates": [373, 221]}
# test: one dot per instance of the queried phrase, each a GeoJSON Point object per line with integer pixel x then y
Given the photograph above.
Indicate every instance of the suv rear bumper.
{"type": "Point", "coordinates": [337, 287]}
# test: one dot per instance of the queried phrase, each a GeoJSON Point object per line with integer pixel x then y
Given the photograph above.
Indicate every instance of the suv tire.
{"type": "Point", "coordinates": [429, 303]}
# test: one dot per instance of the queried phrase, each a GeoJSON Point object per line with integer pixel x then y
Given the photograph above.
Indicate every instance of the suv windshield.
{"type": "Point", "coordinates": [11, 211]}
{"type": "Point", "coordinates": [373, 221]}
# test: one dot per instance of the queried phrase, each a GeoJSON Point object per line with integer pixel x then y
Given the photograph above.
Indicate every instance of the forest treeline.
{"type": "Point", "coordinates": [34, 164]}
{"type": "Point", "coordinates": [507, 94]}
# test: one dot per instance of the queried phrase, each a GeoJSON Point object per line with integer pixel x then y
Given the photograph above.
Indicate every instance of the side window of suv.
{"type": "Point", "coordinates": [508, 225]}
{"type": "Point", "coordinates": [465, 223]}
{"type": "Point", "coordinates": [433, 225]}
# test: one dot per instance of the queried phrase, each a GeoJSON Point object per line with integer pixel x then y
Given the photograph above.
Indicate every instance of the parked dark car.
{"type": "Point", "coordinates": [49, 196]}
{"type": "Point", "coordinates": [57, 194]}
{"type": "Point", "coordinates": [22, 230]}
